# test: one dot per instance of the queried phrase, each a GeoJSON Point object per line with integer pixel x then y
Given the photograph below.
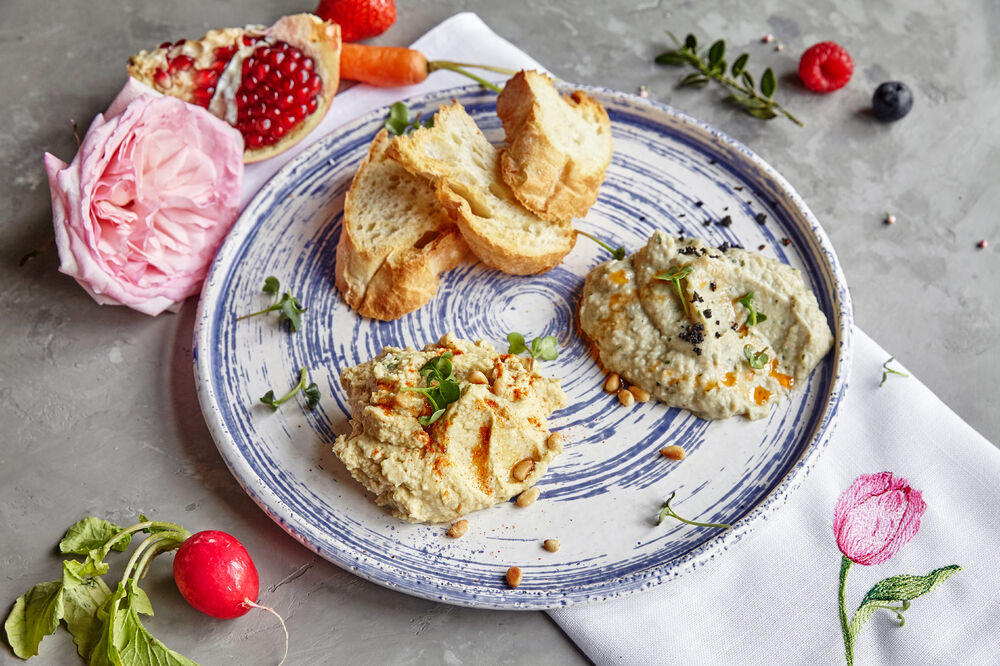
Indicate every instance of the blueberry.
{"type": "Point", "coordinates": [892, 100]}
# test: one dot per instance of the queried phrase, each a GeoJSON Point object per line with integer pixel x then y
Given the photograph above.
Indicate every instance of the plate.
{"type": "Point", "coordinates": [600, 498]}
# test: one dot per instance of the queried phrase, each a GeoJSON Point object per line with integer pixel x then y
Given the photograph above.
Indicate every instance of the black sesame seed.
{"type": "Point", "coordinates": [711, 285]}
{"type": "Point", "coordinates": [726, 221]}
{"type": "Point", "coordinates": [707, 312]}
{"type": "Point", "coordinates": [718, 335]}
{"type": "Point", "coordinates": [699, 204]}
{"type": "Point", "coordinates": [761, 218]}
{"type": "Point", "coordinates": [738, 188]}
{"type": "Point", "coordinates": [712, 161]}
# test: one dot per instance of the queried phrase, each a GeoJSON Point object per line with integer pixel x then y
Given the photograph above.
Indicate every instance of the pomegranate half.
{"type": "Point", "coordinates": [273, 84]}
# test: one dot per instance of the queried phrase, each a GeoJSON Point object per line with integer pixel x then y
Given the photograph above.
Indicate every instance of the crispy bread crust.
{"type": "Point", "coordinates": [548, 176]}
{"type": "Point", "coordinates": [500, 242]}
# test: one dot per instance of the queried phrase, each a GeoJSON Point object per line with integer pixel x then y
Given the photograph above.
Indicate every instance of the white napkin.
{"type": "Point", "coordinates": [772, 599]}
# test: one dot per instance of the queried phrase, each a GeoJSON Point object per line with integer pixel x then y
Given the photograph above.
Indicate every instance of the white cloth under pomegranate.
{"type": "Point", "coordinates": [772, 598]}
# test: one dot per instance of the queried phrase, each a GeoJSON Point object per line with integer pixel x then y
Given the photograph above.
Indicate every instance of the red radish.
{"type": "Point", "coordinates": [215, 574]}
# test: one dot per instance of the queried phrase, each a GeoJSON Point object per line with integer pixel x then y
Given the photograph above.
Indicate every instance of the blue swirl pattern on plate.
{"type": "Point", "coordinates": [600, 498]}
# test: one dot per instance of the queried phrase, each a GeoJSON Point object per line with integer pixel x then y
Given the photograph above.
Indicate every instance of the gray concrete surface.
{"type": "Point", "coordinates": [99, 411]}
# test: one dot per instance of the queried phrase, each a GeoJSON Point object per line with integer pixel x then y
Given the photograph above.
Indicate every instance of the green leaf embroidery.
{"type": "Point", "coordinates": [898, 589]}
{"type": "Point", "coordinates": [35, 615]}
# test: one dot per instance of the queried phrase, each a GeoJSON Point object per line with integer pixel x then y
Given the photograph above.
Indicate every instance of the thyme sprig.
{"type": "Point", "coordinates": [757, 100]}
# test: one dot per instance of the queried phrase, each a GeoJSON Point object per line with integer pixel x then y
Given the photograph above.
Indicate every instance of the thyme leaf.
{"type": "Point", "coordinates": [711, 66]}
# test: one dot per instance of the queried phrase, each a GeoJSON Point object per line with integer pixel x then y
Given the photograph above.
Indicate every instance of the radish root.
{"type": "Point", "coordinates": [273, 612]}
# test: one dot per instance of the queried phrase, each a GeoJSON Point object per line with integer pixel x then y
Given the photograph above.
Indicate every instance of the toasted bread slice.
{"type": "Point", "coordinates": [395, 241]}
{"type": "Point", "coordinates": [558, 146]}
{"type": "Point", "coordinates": [464, 170]}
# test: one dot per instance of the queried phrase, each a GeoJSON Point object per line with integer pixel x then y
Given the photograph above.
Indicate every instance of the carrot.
{"type": "Point", "coordinates": [390, 66]}
{"type": "Point", "coordinates": [384, 66]}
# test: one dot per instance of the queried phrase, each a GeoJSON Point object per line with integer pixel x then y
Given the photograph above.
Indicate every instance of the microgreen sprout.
{"type": "Point", "coordinates": [666, 511]}
{"type": "Point", "coordinates": [546, 348]}
{"type": "Point", "coordinates": [754, 317]}
{"type": "Point", "coordinates": [288, 306]}
{"type": "Point", "coordinates": [886, 371]}
{"type": "Point", "coordinates": [399, 121]}
{"type": "Point", "coordinates": [441, 389]}
{"type": "Point", "coordinates": [711, 66]}
{"type": "Point", "coordinates": [311, 391]}
{"type": "Point", "coordinates": [675, 275]}
{"type": "Point", "coordinates": [755, 360]}
{"type": "Point", "coordinates": [616, 252]}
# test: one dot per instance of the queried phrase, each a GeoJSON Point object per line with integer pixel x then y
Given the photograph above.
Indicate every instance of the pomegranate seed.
{"type": "Point", "coordinates": [205, 77]}
{"type": "Point", "coordinates": [278, 90]}
{"type": "Point", "coordinates": [181, 63]}
{"type": "Point", "coordinates": [161, 78]}
{"type": "Point", "coordinates": [247, 40]}
{"type": "Point", "coordinates": [224, 52]}
{"type": "Point", "coordinates": [218, 65]}
{"type": "Point", "coordinates": [165, 45]}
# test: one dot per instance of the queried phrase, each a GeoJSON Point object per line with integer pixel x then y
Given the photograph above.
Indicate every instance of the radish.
{"type": "Point", "coordinates": [214, 572]}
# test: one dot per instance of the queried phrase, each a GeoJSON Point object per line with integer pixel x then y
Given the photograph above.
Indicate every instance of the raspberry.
{"type": "Point", "coordinates": [825, 67]}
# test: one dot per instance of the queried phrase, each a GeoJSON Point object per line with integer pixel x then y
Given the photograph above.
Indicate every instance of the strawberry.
{"type": "Point", "coordinates": [358, 19]}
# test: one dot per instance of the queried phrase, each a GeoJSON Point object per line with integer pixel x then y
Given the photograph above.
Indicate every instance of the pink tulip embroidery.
{"type": "Point", "coordinates": [875, 517]}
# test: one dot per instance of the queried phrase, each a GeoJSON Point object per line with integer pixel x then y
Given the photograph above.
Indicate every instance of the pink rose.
{"type": "Point", "coordinates": [876, 516]}
{"type": "Point", "coordinates": [143, 208]}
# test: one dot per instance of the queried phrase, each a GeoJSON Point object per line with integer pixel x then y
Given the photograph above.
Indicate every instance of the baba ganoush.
{"type": "Point", "coordinates": [718, 331]}
{"type": "Point", "coordinates": [489, 445]}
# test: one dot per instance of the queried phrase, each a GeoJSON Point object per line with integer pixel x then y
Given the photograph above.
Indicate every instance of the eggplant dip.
{"type": "Point", "coordinates": [717, 331]}
{"type": "Point", "coordinates": [447, 430]}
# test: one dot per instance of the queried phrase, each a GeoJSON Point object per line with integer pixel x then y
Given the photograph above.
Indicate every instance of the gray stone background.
{"type": "Point", "coordinates": [99, 410]}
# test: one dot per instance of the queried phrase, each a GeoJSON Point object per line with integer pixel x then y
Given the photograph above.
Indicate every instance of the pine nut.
{"type": "Point", "coordinates": [458, 528]}
{"type": "Point", "coordinates": [641, 395]}
{"type": "Point", "coordinates": [626, 398]}
{"type": "Point", "coordinates": [513, 576]}
{"type": "Point", "coordinates": [612, 383]}
{"type": "Point", "coordinates": [673, 452]}
{"type": "Point", "coordinates": [554, 441]}
{"type": "Point", "coordinates": [528, 497]}
{"type": "Point", "coordinates": [477, 377]}
{"type": "Point", "coordinates": [551, 545]}
{"type": "Point", "coordinates": [523, 469]}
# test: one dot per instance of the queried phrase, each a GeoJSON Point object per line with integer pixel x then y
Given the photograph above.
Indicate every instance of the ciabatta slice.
{"type": "Point", "coordinates": [463, 167]}
{"type": "Point", "coordinates": [395, 241]}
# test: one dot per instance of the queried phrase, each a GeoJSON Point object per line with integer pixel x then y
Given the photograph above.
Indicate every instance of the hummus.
{"type": "Point", "coordinates": [701, 349]}
{"type": "Point", "coordinates": [466, 459]}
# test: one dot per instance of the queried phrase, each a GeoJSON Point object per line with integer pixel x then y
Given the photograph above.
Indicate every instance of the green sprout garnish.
{"type": "Point", "coordinates": [399, 121]}
{"type": "Point", "coordinates": [288, 306]}
{"type": "Point", "coordinates": [666, 511]}
{"type": "Point", "coordinates": [441, 389]}
{"type": "Point", "coordinates": [311, 391]}
{"type": "Point", "coordinates": [886, 371]}
{"type": "Point", "coordinates": [616, 252]}
{"type": "Point", "coordinates": [756, 360]}
{"type": "Point", "coordinates": [675, 275]}
{"type": "Point", "coordinates": [754, 317]}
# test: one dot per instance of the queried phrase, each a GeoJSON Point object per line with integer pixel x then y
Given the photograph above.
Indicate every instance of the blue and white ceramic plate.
{"type": "Point", "coordinates": [600, 498]}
